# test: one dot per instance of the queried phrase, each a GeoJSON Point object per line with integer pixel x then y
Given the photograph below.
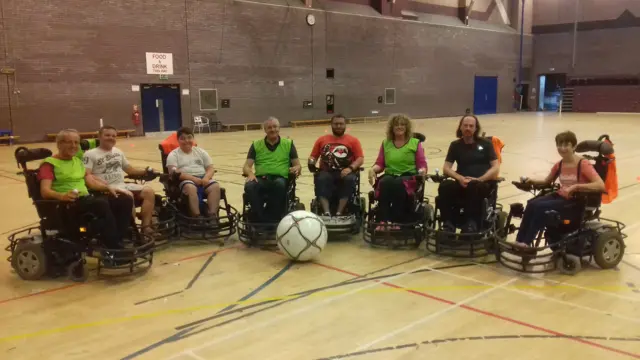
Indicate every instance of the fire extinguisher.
{"type": "Point", "coordinates": [135, 116]}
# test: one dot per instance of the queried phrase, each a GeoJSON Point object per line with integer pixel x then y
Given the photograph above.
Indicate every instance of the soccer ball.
{"type": "Point", "coordinates": [301, 235]}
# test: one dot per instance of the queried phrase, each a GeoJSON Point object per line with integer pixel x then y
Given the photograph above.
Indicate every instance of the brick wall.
{"type": "Point", "coordinates": [77, 59]}
{"type": "Point", "coordinates": [607, 99]}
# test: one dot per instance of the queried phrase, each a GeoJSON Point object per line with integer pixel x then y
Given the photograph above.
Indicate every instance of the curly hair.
{"type": "Point", "coordinates": [399, 119]}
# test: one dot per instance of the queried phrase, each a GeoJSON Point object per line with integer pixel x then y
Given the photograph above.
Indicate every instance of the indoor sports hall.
{"type": "Point", "coordinates": [527, 69]}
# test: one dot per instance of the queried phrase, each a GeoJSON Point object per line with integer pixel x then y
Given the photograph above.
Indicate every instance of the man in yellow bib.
{"type": "Point", "coordinates": [274, 159]}
{"type": "Point", "coordinates": [63, 177]}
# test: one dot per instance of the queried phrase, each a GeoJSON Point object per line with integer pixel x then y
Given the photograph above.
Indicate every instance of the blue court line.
{"type": "Point", "coordinates": [259, 288]}
{"type": "Point", "coordinates": [197, 275]}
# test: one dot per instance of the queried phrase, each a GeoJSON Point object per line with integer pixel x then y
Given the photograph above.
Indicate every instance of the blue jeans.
{"type": "Point", "coordinates": [534, 218]}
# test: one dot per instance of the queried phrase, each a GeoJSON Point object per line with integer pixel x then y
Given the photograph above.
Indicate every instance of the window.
{"type": "Point", "coordinates": [389, 96]}
{"type": "Point", "coordinates": [208, 99]}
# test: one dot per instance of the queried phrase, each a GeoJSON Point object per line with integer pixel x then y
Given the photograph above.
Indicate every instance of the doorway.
{"type": "Point", "coordinates": [161, 108]}
{"type": "Point", "coordinates": [550, 94]}
{"type": "Point", "coordinates": [485, 95]}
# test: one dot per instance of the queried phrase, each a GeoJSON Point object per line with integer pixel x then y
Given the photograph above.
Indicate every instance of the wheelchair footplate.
{"type": "Point", "coordinates": [347, 224]}
{"type": "Point", "coordinates": [135, 256]}
{"type": "Point", "coordinates": [207, 228]}
{"type": "Point", "coordinates": [468, 245]}
{"type": "Point", "coordinates": [258, 234]}
{"type": "Point", "coordinates": [163, 227]}
{"type": "Point", "coordinates": [394, 235]}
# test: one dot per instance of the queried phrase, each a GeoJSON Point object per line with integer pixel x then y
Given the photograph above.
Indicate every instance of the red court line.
{"type": "Point", "coordinates": [493, 315]}
{"type": "Point", "coordinates": [70, 286]}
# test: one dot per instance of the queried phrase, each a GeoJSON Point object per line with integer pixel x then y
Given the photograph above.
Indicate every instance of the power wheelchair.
{"type": "Point", "coordinates": [573, 236]}
{"type": "Point", "coordinates": [195, 228]}
{"type": "Point", "coordinates": [55, 247]}
{"type": "Point", "coordinates": [356, 212]}
{"type": "Point", "coordinates": [400, 235]}
{"type": "Point", "coordinates": [263, 234]}
{"type": "Point", "coordinates": [466, 244]}
{"type": "Point", "coordinates": [163, 224]}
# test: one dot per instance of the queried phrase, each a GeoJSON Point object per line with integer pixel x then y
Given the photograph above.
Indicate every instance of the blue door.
{"type": "Point", "coordinates": [161, 110]}
{"type": "Point", "coordinates": [485, 95]}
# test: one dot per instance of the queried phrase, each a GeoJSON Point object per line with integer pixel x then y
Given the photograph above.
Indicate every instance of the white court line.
{"type": "Point", "coordinates": [539, 296]}
{"type": "Point", "coordinates": [295, 312]}
{"type": "Point", "coordinates": [193, 355]}
{"type": "Point", "coordinates": [562, 283]}
{"type": "Point", "coordinates": [433, 316]}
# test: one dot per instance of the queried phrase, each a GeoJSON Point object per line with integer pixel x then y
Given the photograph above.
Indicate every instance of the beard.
{"type": "Point", "coordinates": [337, 132]}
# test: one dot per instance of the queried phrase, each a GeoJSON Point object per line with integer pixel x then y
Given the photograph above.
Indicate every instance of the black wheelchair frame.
{"type": "Point", "coordinates": [50, 247]}
{"type": "Point", "coordinates": [399, 235]}
{"type": "Point", "coordinates": [264, 234]}
{"type": "Point", "coordinates": [470, 244]}
{"type": "Point", "coordinates": [194, 228]}
{"type": "Point", "coordinates": [573, 236]}
{"type": "Point", "coordinates": [356, 206]}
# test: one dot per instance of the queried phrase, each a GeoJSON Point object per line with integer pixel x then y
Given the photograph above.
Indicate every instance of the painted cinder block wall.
{"type": "Point", "coordinates": [76, 60]}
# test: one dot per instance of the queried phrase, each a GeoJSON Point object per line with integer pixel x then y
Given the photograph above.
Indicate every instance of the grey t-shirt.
{"type": "Point", "coordinates": [107, 165]}
{"type": "Point", "coordinates": [194, 163]}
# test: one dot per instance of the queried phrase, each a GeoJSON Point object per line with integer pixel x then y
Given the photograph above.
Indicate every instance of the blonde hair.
{"type": "Point", "coordinates": [399, 119]}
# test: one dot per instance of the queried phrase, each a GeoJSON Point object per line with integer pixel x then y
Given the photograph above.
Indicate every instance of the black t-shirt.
{"type": "Point", "coordinates": [473, 160]}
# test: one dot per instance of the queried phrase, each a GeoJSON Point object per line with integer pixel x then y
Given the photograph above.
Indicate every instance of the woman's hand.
{"type": "Point", "coordinates": [422, 172]}
{"type": "Point", "coordinates": [372, 177]}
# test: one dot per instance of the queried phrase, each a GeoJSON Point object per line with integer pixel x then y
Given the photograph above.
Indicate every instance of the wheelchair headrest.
{"type": "Point", "coordinates": [24, 155]}
{"type": "Point", "coordinates": [88, 144]}
{"type": "Point", "coordinates": [601, 147]}
{"type": "Point", "coordinates": [420, 137]}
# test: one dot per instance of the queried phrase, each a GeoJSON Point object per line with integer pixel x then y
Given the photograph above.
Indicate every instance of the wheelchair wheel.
{"type": "Point", "coordinates": [501, 224]}
{"type": "Point", "coordinates": [569, 264]}
{"type": "Point", "coordinates": [608, 249]}
{"type": "Point", "coordinates": [429, 212]}
{"type": "Point", "coordinates": [29, 260]}
{"type": "Point", "coordinates": [76, 271]}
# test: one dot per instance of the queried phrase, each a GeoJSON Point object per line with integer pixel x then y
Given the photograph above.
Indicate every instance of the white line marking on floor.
{"type": "Point", "coordinates": [296, 312]}
{"type": "Point", "coordinates": [561, 283]}
{"type": "Point", "coordinates": [434, 315]}
{"type": "Point", "coordinates": [577, 306]}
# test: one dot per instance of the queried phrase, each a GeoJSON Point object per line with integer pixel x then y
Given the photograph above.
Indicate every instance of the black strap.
{"type": "Point", "coordinates": [560, 170]}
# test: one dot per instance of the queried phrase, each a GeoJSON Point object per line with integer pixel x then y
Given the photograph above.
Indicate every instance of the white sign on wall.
{"type": "Point", "coordinates": [159, 63]}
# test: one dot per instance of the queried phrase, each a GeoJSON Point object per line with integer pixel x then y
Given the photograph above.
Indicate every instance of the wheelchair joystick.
{"type": "Point", "coordinates": [75, 191]}
{"type": "Point", "coordinates": [523, 179]}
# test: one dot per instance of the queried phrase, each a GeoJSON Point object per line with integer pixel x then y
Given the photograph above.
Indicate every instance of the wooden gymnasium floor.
{"type": "Point", "coordinates": [371, 303]}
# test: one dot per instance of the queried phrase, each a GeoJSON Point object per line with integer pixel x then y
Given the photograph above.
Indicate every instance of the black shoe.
{"type": "Point", "coordinates": [470, 227]}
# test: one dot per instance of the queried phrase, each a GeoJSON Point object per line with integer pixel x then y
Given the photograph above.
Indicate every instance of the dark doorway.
{"type": "Point", "coordinates": [485, 95]}
{"type": "Point", "coordinates": [550, 94]}
{"type": "Point", "coordinates": [524, 106]}
{"type": "Point", "coordinates": [161, 109]}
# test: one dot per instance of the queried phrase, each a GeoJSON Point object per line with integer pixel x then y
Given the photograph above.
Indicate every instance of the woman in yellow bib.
{"type": "Point", "coordinates": [401, 157]}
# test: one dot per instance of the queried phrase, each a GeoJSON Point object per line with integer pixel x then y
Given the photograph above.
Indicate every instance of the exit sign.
{"type": "Point", "coordinates": [164, 77]}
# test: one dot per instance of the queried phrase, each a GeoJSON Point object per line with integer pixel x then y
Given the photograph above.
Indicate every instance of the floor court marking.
{"type": "Point", "coordinates": [65, 287]}
{"type": "Point", "coordinates": [289, 314]}
{"type": "Point", "coordinates": [185, 330]}
{"type": "Point", "coordinates": [434, 315]}
{"type": "Point", "coordinates": [578, 306]}
{"type": "Point", "coordinates": [514, 321]}
{"type": "Point", "coordinates": [478, 338]}
{"type": "Point", "coordinates": [592, 289]}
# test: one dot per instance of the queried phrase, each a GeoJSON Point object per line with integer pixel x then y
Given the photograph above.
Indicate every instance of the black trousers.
{"type": "Point", "coordinates": [112, 217]}
{"type": "Point", "coordinates": [452, 197]}
{"type": "Point", "coordinates": [327, 183]}
{"type": "Point", "coordinates": [275, 189]}
{"type": "Point", "coordinates": [393, 199]}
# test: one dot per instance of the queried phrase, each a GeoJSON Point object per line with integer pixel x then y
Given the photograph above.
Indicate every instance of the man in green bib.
{"type": "Point", "coordinates": [274, 159]}
{"type": "Point", "coordinates": [63, 177]}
